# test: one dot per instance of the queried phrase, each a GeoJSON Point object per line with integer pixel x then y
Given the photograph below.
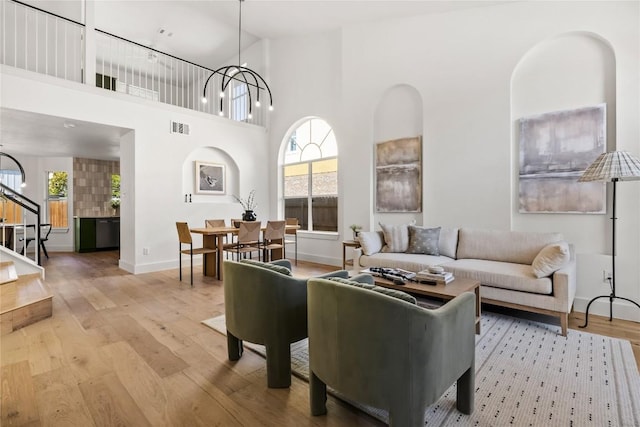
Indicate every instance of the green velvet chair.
{"type": "Point", "coordinates": [265, 305]}
{"type": "Point", "coordinates": [387, 353]}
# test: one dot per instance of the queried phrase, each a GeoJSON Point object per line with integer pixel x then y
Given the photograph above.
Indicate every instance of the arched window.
{"type": "Point", "coordinates": [310, 170]}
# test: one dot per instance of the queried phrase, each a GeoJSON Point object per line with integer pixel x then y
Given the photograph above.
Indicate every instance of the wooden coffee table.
{"type": "Point", "coordinates": [442, 291]}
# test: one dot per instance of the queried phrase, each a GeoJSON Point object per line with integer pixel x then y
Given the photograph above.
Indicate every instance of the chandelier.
{"type": "Point", "coordinates": [253, 81]}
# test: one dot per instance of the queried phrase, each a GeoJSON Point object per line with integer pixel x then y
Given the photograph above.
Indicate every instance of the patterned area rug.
{"type": "Point", "coordinates": [528, 375]}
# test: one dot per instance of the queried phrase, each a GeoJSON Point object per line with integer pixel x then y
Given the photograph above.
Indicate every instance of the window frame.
{"type": "Point", "coordinates": [48, 198]}
{"type": "Point", "coordinates": [287, 148]}
{"type": "Point", "coordinates": [239, 104]}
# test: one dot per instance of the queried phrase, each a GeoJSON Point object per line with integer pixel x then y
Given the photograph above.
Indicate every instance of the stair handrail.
{"type": "Point", "coordinates": [28, 204]}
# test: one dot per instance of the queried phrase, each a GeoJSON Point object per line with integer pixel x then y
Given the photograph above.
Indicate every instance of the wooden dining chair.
{"type": "Point", "coordinates": [214, 223]}
{"type": "Point", "coordinates": [273, 239]}
{"type": "Point", "coordinates": [228, 238]}
{"type": "Point", "coordinates": [292, 221]}
{"type": "Point", "coordinates": [248, 240]}
{"type": "Point", "coordinates": [184, 237]}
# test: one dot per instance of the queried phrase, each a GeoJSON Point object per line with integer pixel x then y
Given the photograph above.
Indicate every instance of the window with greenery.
{"type": "Point", "coordinates": [57, 206]}
{"type": "Point", "coordinates": [311, 176]}
{"type": "Point", "coordinates": [115, 191]}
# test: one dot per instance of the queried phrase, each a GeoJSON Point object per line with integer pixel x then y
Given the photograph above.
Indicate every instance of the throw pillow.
{"type": "Point", "coordinates": [277, 268]}
{"type": "Point", "coordinates": [371, 242]}
{"type": "Point", "coordinates": [550, 259]}
{"type": "Point", "coordinates": [396, 237]}
{"type": "Point", "coordinates": [381, 290]}
{"type": "Point", "coordinates": [423, 240]}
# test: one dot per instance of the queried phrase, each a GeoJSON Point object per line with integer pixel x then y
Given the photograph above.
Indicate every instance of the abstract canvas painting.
{"type": "Point", "coordinates": [399, 175]}
{"type": "Point", "coordinates": [555, 149]}
{"type": "Point", "coordinates": [210, 178]}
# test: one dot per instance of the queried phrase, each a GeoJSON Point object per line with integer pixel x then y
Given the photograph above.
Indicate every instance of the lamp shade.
{"type": "Point", "coordinates": [614, 165]}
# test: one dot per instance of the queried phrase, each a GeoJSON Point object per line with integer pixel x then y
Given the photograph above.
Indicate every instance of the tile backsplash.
{"type": "Point", "coordinates": [92, 187]}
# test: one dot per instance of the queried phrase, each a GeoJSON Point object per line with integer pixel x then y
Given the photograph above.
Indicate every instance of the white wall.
{"type": "Point", "coordinates": [462, 64]}
{"type": "Point", "coordinates": [152, 160]}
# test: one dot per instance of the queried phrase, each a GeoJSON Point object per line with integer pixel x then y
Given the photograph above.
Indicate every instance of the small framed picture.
{"type": "Point", "coordinates": [210, 178]}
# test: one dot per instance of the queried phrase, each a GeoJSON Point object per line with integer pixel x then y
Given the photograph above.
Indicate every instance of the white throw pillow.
{"type": "Point", "coordinates": [371, 241]}
{"type": "Point", "coordinates": [396, 237]}
{"type": "Point", "coordinates": [551, 259]}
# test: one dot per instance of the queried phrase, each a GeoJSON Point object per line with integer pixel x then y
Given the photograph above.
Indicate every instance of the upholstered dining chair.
{"type": "Point", "coordinates": [264, 304]}
{"type": "Point", "coordinates": [248, 240]}
{"type": "Point", "coordinates": [385, 352]}
{"type": "Point", "coordinates": [184, 238]}
{"type": "Point", "coordinates": [294, 233]}
{"type": "Point", "coordinates": [273, 239]}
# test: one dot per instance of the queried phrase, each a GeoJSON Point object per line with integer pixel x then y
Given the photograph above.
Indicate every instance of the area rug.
{"type": "Point", "coordinates": [528, 375]}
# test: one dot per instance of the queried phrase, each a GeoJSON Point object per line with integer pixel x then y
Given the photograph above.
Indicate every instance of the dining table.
{"type": "Point", "coordinates": [213, 237]}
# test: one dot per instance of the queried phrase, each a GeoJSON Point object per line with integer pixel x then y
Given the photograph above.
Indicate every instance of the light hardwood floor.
{"type": "Point", "coordinates": [130, 350]}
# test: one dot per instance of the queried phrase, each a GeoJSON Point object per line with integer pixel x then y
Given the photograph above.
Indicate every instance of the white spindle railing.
{"type": "Point", "coordinates": [38, 41]}
{"type": "Point", "coordinates": [127, 67]}
{"type": "Point", "coordinates": [35, 40]}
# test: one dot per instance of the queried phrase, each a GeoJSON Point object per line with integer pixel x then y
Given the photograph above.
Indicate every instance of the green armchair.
{"type": "Point", "coordinates": [265, 305]}
{"type": "Point", "coordinates": [387, 353]}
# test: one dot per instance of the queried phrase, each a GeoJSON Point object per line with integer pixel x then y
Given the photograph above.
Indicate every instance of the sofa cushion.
{"type": "Point", "coordinates": [277, 268]}
{"type": "Point", "coordinates": [371, 241]}
{"type": "Point", "coordinates": [448, 242]}
{"type": "Point", "coordinates": [396, 237]}
{"type": "Point", "coordinates": [507, 246]}
{"type": "Point", "coordinates": [381, 290]}
{"type": "Point", "coordinates": [423, 240]}
{"type": "Point", "coordinates": [550, 259]}
{"type": "Point", "coordinates": [411, 262]}
{"type": "Point", "coordinates": [498, 274]}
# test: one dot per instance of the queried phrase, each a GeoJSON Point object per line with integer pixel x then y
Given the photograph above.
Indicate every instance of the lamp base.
{"type": "Point", "coordinates": [611, 297]}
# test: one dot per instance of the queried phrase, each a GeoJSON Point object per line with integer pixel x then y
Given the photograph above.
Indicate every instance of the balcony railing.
{"type": "Point", "coordinates": [39, 41]}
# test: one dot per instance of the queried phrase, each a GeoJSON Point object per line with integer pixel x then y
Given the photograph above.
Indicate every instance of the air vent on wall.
{"type": "Point", "coordinates": [182, 128]}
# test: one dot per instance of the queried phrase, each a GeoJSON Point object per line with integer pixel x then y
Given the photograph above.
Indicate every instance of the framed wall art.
{"type": "Point", "coordinates": [555, 149]}
{"type": "Point", "coordinates": [399, 175]}
{"type": "Point", "coordinates": [210, 178]}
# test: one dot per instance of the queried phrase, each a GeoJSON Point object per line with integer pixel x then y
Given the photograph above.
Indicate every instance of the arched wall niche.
{"type": "Point", "coordinates": [566, 72]}
{"type": "Point", "coordinates": [210, 155]}
{"type": "Point", "coordinates": [398, 114]}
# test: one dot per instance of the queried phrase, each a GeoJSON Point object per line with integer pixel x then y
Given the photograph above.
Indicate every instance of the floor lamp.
{"type": "Point", "coordinates": [612, 167]}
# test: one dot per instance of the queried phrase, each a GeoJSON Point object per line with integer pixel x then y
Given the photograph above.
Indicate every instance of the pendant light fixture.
{"type": "Point", "coordinates": [251, 79]}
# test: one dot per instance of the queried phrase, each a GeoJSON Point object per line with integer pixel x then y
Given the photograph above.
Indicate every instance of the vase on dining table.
{"type": "Point", "coordinates": [249, 215]}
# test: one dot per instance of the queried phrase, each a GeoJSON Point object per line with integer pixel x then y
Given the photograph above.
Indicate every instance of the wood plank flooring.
{"type": "Point", "coordinates": [125, 350]}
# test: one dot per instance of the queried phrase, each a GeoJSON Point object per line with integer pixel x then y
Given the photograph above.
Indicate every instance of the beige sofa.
{"type": "Point", "coordinates": [507, 264]}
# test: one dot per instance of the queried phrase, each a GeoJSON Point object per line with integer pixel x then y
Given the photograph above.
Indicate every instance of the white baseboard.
{"type": "Point", "coordinates": [317, 259]}
{"type": "Point", "coordinates": [621, 309]}
{"type": "Point", "coordinates": [156, 266]}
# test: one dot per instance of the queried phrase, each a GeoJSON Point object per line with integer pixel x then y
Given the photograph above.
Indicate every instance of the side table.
{"type": "Point", "coordinates": [348, 244]}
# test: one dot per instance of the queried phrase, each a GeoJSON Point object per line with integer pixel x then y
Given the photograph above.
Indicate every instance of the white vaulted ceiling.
{"type": "Point", "coordinates": [203, 32]}
{"type": "Point", "coordinates": [206, 32]}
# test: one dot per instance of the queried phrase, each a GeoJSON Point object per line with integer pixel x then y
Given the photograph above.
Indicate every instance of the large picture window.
{"type": "Point", "coordinates": [311, 176]}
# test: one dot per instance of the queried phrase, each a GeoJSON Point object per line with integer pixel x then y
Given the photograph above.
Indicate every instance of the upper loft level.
{"type": "Point", "coordinates": [42, 42]}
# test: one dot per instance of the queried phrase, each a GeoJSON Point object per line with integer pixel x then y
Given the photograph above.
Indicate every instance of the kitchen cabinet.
{"type": "Point", "coordinates": [96, 233]}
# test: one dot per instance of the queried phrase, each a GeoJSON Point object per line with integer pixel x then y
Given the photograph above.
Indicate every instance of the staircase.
{"type": "Point", "coordinates": [23, 299]}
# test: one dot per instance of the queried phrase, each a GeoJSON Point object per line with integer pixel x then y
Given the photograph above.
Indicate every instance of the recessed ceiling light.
{"type": "Point", "coordinates": [69, 125]}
